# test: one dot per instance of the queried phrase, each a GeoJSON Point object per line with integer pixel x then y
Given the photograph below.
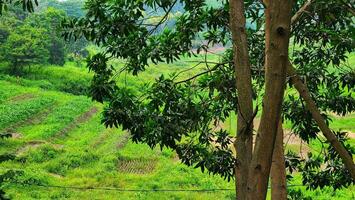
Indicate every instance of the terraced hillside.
{"type": "Point", "coordinates": [58, 141]}
{"type": "Point", "coordinates": [63, 152]}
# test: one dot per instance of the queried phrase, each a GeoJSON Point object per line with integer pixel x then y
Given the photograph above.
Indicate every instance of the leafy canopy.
{"type": "Point", "coordinates": [25, 47]}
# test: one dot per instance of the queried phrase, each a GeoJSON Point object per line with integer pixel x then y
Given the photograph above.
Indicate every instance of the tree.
{"type": "Point", "coordinates": [180, 114]}
{"type": "Point", "coordinates": [55, 11]}
{"type": "Point", "coordinates": [49, 20]}
{"type": "Point", "coordinates": [25, 47]}
{"type": "Point", "coordinates": [73, 8]}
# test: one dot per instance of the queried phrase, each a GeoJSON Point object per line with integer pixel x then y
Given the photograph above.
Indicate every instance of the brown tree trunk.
{"type": "Point", "coordinates": [312, 107]}
{"type": "Point", "coordinates": [243, 143]}
{"type": "Point", "coordinates": [277, 31]}
{"type": "Point", "coordinates": [278, 171]}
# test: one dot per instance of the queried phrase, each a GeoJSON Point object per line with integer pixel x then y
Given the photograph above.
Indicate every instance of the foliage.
{"type": "Point", "coordinates": [47, 20]}
{"type": "Point", "coordinates": [297, 195]}
{"type": "Point", "coordinates": [25, 47]}
{"type": "Point", "coordinates": [18, 111]}
{"type": "Point", "coordinates": [50, 77]}
{"type": "Point", "coordinates": [111, 145]}
{"type": "Point", "coordinates": [91, 154]}
{"type": "Point", "coordinates": [324, 169]}
{"type": "Point", "coordinates": [50, 20]}
{"type": "Point", "coordinates": [27, 5]}
{"type": "Point", "coordinates": [73, 8]}
{"type": "Point", "coordinates": [331, 173]}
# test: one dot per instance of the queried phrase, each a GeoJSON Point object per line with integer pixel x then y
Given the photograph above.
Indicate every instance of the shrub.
{"type": "Point", "coordinates": [43, 153]}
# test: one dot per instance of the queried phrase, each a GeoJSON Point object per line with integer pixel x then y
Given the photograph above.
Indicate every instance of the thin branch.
{"type": "Point", "coordinates": [191, 68]}
{"type": "Point", "coordinates": [250, 122]}
{"type": "Point", "coordinates": [164, 18]}
{"type": "Point", "coordinates": [349, 7]}
{"type": "Point", "coordinates": [299, 13]}
{"type": "Point", "coordinates": [200, 74]}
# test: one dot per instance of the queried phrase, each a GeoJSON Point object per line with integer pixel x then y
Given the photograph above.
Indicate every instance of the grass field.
{"type": "Point", "coordinates": [60, 143]}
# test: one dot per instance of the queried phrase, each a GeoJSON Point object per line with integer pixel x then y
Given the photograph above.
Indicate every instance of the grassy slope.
{"type": "Point", "coordinates": [59, 141]}
{"type": "Point", "coordinates": [87, 154]}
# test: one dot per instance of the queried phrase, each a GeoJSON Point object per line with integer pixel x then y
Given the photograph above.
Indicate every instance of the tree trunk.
{"type": "Point", "coordinates": [312, 107]}
{"type": "Point", "coordinates": [243, 143]}
{"type": "Point", "coordinates": [277, 31]}
{"type": "Point", "coordinates": [278, 171]}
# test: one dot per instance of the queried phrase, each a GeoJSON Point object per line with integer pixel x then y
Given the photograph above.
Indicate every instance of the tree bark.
{"type": "Point", "coordinates": [312, 107]}
{"type": "Point", "coordinates": [278, 171]}
{"type": "Point", "coordinates": [277, 32]}
{"type": "Point", "coordinates": [244, 141]}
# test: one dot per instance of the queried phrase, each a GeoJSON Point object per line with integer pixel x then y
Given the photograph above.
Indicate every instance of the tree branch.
{"type": "Point", "coordinates": [164, 18]}
{"type": "Point", "coordinates": [200, 74]}
{"type": "Point", "coordinates": [349, 8]}
{"type": "Point", "coordinates": [312, 107]}
{"type": "Point", "coordinates": [299, 13]}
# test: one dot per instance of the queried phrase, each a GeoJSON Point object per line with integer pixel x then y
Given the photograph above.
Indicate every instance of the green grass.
{"type": "Point", "coordinates": [14, 112]}
{"type": "Point", "coordinates": [346, 123]}
{"type": "Point", "coordinates": [68, 78]}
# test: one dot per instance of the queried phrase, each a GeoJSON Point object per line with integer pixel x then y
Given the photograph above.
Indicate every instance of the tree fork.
{"type": "Point", "coordinates": [312, 107]}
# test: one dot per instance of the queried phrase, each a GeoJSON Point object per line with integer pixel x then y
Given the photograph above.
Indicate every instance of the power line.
{"type": "Point", "coordinates": [134, 190]}
{"type": "Point", "coordinates": [126, 190]}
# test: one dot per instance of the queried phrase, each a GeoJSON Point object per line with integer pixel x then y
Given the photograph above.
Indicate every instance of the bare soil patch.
{"type": "Point", "coordinates": [351, 135]}
{"type": "Point", "coordinates": [136, 165]}
{"type": "Point", "coordinates": [56, 175]}
{"type": "Point", "coordinates": [22, 97]}
{"type": "Point", "coordinates": [123, 140]}
{"type": "Point", "coordinates": [16, 135]}
{"type": "Point", "coordinates": [29, 145]}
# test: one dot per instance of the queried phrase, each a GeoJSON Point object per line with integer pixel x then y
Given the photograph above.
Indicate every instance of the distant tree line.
{"type": "Point", "coordinates": [33, 39]}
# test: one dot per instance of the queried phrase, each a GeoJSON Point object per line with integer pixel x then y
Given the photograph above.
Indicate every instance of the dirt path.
{"type": "Point", "coordinates": [123, 140]}
{"type": "Point", "coordinates": [22, 97]}
{"type": "Point", "coordinates": [29, 145]}
{"type": "Point", "coordinates": [81, 119]}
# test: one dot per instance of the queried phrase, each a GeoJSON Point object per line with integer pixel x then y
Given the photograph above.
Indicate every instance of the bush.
{"type": "Point", "coordinates": [71, 161]}
{"type": "Point", "coordinates": [43, 153]}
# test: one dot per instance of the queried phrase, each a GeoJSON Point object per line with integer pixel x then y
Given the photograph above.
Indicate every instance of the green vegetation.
{"type": "Point", "coordinates": [53, 152]}
{"type": "Point", "coordinates": [53, 144]}
{"type": "Point", "coordinates": [35, 40]}
{"type": "Point", "coordinates": [59, 141]}
{"type": "Point", "coordinates": [24, 48]}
